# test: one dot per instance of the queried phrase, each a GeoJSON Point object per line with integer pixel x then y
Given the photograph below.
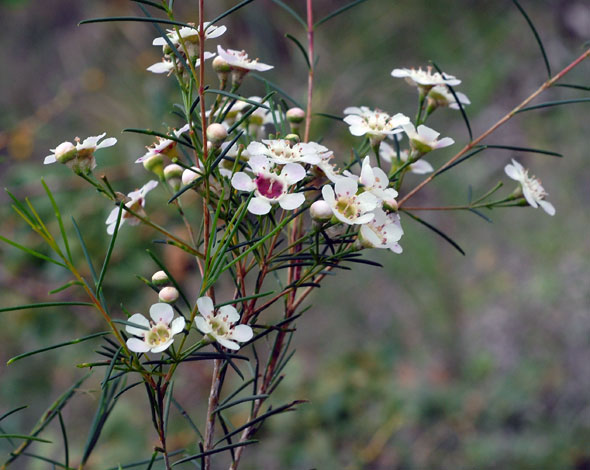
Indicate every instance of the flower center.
{"type": "Point", "coordinates": [269, 187]}
{"type": "Point", "coordinates": [157, 335]}
{"type": "Point", "coordinates": [347, 207]}
{"type": "Point", "coordinates": [219, 326]}
{"type": "Point", "coordinates": [534, 186]}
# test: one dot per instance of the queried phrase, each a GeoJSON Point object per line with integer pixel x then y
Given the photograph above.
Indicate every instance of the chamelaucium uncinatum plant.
{"type": "Point", "coordinates": [278, 212]}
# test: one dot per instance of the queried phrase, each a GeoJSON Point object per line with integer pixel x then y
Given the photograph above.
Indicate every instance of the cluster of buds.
{"type": "Point", "coordinates": [167, 294]}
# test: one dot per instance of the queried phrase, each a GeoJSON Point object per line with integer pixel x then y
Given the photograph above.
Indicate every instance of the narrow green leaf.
{"type": "Point", "coordinates": [237, 97]}
{"type": "Point", "coordinates": [107, 376]}
{"type": "Point", "coordinates": [65, 286]}
{"type": "Point", "coordinates": [292, 12]}
{"type": "Point", "coordinates": [575, 87]}
{"type": "Point", "coordinates": [275, 87]}
{"type": "Point", "coordinates": [230, 11]}
{"type": "Point", "coordinates": [536, 34]}
{"type": "Point", "coordinates": [238, 401]}
{"type": "Point", "coordinates": [8, 413]}
{"type": "Point", "coordinates": [301, 48]}
{"type": "Point", "coordinates": [553, 103]}
{"type": "Point", "coordinates": [437, 231]}
{"type": "Point", "coordinates": [478, 213]}
{"type": "Point", "coordinates": [159, 134]}
{"type": "Point", "coordinates": [141, 19]}
{"type": "Point", "coordinates": [523, 149]}
{"type": "Point", "coordinates": [184, 189]}
{"type": "Point", "coordinates": [55, 346]}
{"type": "Point", "coordinates": [150, 3]}
{"type": "Point", "coordinates": [337, 12]}
{"type": "Point", "coordinates": [188, 418]}
{"type": "Point", "coordinates": [64, 434]}
{"type": "Point", "coordinates": [461, 160]}
{"type": "Point", "coordinates": [214, 451]}
{"type": "Point", "coordinates": [330, 116]}
{"type": "Point", "coordinates": [107, 258]}
{"type": "Point", "coordinates": [85, 250]}
{"type": "Point", "coordinates": [46, 304]}
{"type": "Point", "coordinates": [22, 436]}
{"type": "Point", "coordinates": [225, 150]}
{"type": "Point", "coordinates": [59, 219]}
{"type": "Point", "coordinates": [244, 299]}
{"type": "Point", "coordinates": [34, 253]}
{"type": "Point", "coordinates": [148, 461]}
{"type": "Point", "coordinates": [128, 323]}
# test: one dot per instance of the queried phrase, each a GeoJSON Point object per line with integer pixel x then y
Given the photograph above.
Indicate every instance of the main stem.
{"type": "Point", "coordinates": [311, 58]}
{"type": "Point", "coordinates": [501, 122]}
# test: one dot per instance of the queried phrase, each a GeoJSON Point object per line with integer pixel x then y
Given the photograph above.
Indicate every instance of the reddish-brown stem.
{"type": "Point", "coordinates": [311, 58]}
{"type": "Point", "coordinates": [498, 124]}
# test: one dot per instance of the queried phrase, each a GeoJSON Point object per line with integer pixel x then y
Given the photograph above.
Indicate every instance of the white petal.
{"type": "Point", "coordinates": [291, 201]}
{"type": "Point", "coordinates": [228, 344]}
{"type": "Point", "coordinates": [370, 236]}
{"type": "Point", "coordinates": [513, 172]}
{"type": "Point", "coordinates": [444, 142]}
{"type": "Point", "coordinates": [138, 319]}
{"type": "Point", "coordinates": [49, 159]}
{"type": "Point", "coordinates": [346, 187]}
{"type": "Point", "coordinates": [547, 207]}
{"type": "Point", "coordinates": [328, 194]}
{"type": "Point", "coordinates": [177, 326]}
{"type": "Point", "coordinates": [358, 130]}
{"type": "Point", "coordinates": [161, 312]}
{"type": "Point", "coordinates": [160, 67]}
{"type": "Point", "coordinates": [205, 306]}
{"type": "Point", "coordinates": [137, 345]}
{"type": "Point", "coordinates": [367, 178]}
{"type": "Point", "coordinates": [352, 110]}
{"type": "Point", "coordinates": [107, 143]}
{"type": "Point", "coordinates": [364, 219]}
{"type": "Point", "coordinates": [421, 167]}
{"type": "Point", "coordinates": [111, 228]}
{"type": "Point", "coordinates": [242, 182]}
{"type": "Point", "coordinates": [529, 197]}
{"type": "Point", "coordinates": [386, 152]}
{"type": "Point", "coordinates": [259, 163]}
{"type": "Point", "coordinates": [242, 333]}
{"type": "Point", "coordinates": [293, 173]}
{"type": "Point", "coordinates": [112, 216]}
{"type": "Point", "coordinates": [259, 206]}
{"type": "Point", "coordinates": [427, 134]}
{"type": "Point", "coordinates": [230, 312]}
{"type": "Point", "coordinates": [256, 148]}
{"type": "Point", "coordinates": [381, 179]}
{"type": "Point", "coordinates": [203, 325]}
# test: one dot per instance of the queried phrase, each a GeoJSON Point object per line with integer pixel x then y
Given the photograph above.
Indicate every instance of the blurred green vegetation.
{"type": "Point", "coordinates": [435, 361]}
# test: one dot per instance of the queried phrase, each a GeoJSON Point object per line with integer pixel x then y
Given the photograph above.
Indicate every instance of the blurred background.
{"type": "Point", "coordinates": [435, 361]}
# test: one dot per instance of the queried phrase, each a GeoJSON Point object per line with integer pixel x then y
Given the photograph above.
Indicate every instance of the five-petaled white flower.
{"type": "Point", "coordinates": [283, 151]}
{"type": "Point", "coordinates": [238, 60]}
{"type": "Point", "coordinates": [382, 231]}
{"type": "Point", "coordinates": [375, 124]}
{"type": "Point", "coordinates": [163, 146]}
{"type": "Point", "coordinates": [532, 190]}
{"type": "Point", "coordinates": [220, 324]}
{"type": "Point", "coordinates": [441, 96]}
{"type": "Point", "coordinates": [376, 182]}
{"type": "Point", "coordinates": [270, 185]}
{"type": "Point", "coordinates": [425, 139]}
{"type": "Point", "coordinates": [136, 203]}
{"type": "Point", "coordinates": [388, 154]}
{"type": "Point", "coordinates": [81, 156]}
{"type": "Point", "coordinates": [156, 335]}
{"type": "Point", "coordinates": [347, 206]}
{"type": "Point", "coordinates": [425, 79]}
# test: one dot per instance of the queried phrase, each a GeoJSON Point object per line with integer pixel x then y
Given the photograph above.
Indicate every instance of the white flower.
{"type": "Point", "coordinates": [189, 34]}
{"type": "Point", "coordinates": [167, 66]}
{"type": "Point", "coordinates": [532, 190]}
{"type": "Point", "coordinates": [374, 123]}
{"type": "Point", "coordinates": [220, 324]}
{"type": "Point", "coordinates": [347, 206]}
{"type": "Point", "coordinates": [136, 203]}
{"type": "Point", "coordinates": [388, 153]}
{"type": "Point", "coordinates": [425, 78]}
{"type": "Point", "coordinates": [425, 139]}
{"type": "Point", "coordinates": [156, 335]}
{"type": "Point", "coordinates": [239, 60]}
{"type": "Point", "coordinates": [442, 96]}
{"type": "Point", "coordinates": [81, 156]}
{"type": "Point", "coordinates": [270, 186]}
{"type": "Point", "coordinates": [163, 146]}
{"type": "Point", "coordinates": [383, 231]}
{"type": "Point", "coordinates": [376, 182]}
{"type": "Point", "coordinates": [283, 151]}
